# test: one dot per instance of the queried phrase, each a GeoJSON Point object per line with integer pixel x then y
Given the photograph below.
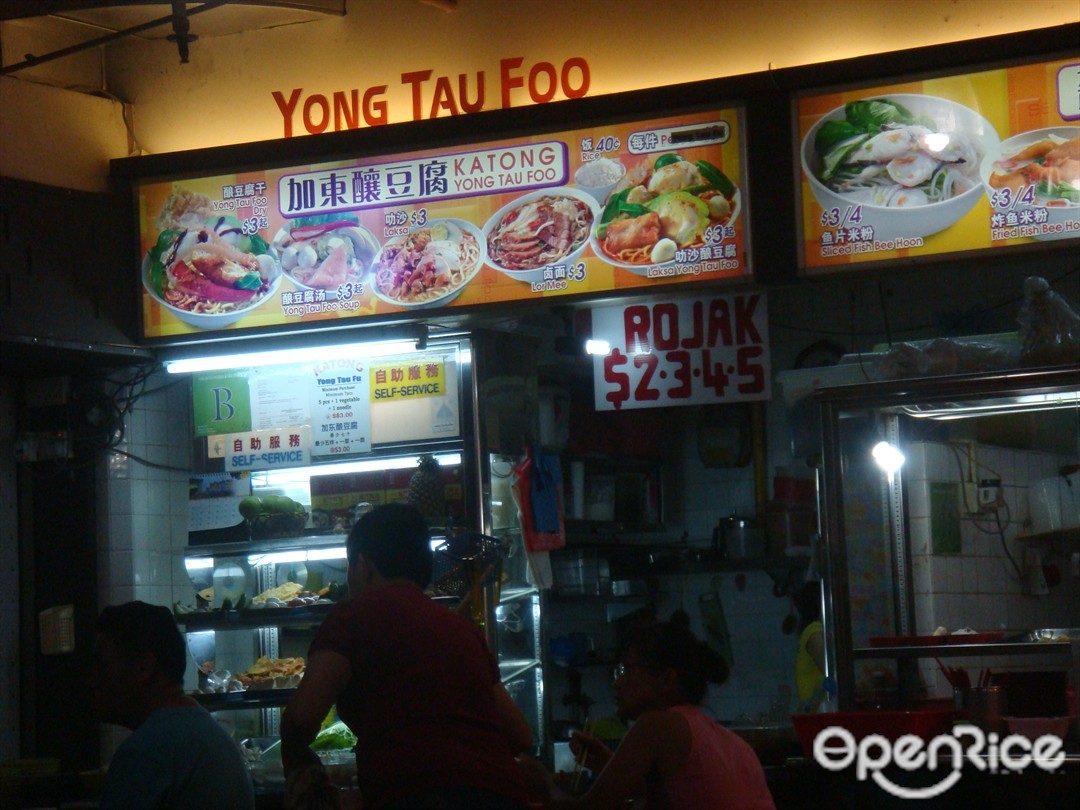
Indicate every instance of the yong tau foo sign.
{"type": "Point", "coordinates": [609, 207]}
{"type": "Point", "coordinates": [693, 351]}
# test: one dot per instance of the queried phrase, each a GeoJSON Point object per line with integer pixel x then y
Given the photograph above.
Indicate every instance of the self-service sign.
{"type": "Point", "coordinates": [692, 351]}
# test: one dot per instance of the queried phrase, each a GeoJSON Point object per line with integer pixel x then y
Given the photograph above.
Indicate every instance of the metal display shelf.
{"type": "Point", "coordinates": [960, 650]}
{"type": "Point", "coordinates": [248, 699]}
{"type": "Point", "coordinates": [514, 668]}
{"type": "Point", "coordinates": [256, 546]}
{"type": "Point", "coordinates": [1069, 535]}
{"type": "Point", "coordinates": [513, 594]}
{"type": "Point", "coordinates": [254, 617]}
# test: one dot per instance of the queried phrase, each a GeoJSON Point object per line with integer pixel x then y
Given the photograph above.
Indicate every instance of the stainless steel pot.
{"type": "Point", "coordinates": [737, 538]}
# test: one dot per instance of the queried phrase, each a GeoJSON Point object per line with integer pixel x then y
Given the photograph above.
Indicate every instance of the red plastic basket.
{"type": "Point", "coordinates": [923, 723]}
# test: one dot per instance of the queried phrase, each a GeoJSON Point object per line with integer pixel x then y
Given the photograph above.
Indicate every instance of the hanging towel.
{"type": "Point", "coordinates": [535, 541]}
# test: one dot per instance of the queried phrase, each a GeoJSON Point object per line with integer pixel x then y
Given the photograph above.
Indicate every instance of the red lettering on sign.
{"type": "Point", "coordinates": [543, 69]}
{"type": "Point", "coordinates": [375, 111]}
{"type": "Point", "coordinates": [287, 107]}
{"type": "Point", "coordinates": [583, 68]}
{"type": "Point", "coordinates": [719, 323]}
{"type": "Point", "coordinates": [745, 329]}
{"type": "Point", "coordinates": [508, 82]}
{"type": "Point", "coordinates": [463, 93]}
{"type": "Point", "coordinates": [416, 79]}
{"type": "Point", "coordinates": [697, 333]}
{"type": "Point", "coordinates": [665, 326]}
{"type": "Point", "coordinates": [444, 98]}
{"type": "Point", "coordinates": [343, 111]}
{"type": "Point", "coordinates": [317, 100]}
{"type": "Point", "coordinates": [636, 326]}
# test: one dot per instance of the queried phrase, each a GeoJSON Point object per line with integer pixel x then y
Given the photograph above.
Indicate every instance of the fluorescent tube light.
{"type": "Point", "coordinates": [341, 351]}
{"type": "Point", "coordinates": [337, 553]}
{"type": "Point", "coordinates": [1022, 404]}
{"type": "Point", "coordinates": [277, 557]}
{"type": "Point", "coordinates": [601, 347]}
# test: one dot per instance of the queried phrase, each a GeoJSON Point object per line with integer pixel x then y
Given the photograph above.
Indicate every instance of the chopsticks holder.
{"type": "Point", "coordinates": [579, 760]}
{"type": "Point", "coordinates": [957, 677]}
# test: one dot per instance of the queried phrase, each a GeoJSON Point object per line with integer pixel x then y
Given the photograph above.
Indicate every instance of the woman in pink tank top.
{"type": "Point", "coordinates": [674, 755]}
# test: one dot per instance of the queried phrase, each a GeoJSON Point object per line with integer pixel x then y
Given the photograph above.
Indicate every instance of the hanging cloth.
{"type": "Point", "coordinates": [538, 493]}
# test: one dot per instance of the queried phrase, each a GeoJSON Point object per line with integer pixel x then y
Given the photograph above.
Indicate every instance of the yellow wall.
{"type": "Point", "coordinates": [225, 94]}
{"type": "Point", "coordinates": [58, 137]}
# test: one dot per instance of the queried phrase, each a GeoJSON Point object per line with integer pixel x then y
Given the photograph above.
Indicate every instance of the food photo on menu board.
{"type": "Point", "coordinates": [943, 165]}
{"type": "Point", "coordinates": [598, 209]}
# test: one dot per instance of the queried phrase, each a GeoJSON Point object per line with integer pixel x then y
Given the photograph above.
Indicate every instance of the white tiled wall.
{"type": "Point", "coordinates": [144, 526]}
{"type": "Point", "coordinates": [979, 588]}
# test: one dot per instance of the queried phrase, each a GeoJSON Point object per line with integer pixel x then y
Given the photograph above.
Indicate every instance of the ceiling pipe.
{"type": "Point", "coordinates": [32, 60]}
{"type": "Point", "coordinates": [181, 35]}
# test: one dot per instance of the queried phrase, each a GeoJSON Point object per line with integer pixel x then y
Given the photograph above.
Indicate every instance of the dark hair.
{"type": "Point", "coordinates": [395, 539]}
{"type": "Point", "coordinates": [808, 603]}
{"type": "Point", "coordinates": [141, 628]}
{"type": "Point", "coordinates": [672, 644]}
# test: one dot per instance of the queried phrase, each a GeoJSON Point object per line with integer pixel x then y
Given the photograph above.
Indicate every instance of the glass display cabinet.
{"type": "Point", "coordinates": [515, 628]}
{"type": "Point", "coordinates": [954, 550]}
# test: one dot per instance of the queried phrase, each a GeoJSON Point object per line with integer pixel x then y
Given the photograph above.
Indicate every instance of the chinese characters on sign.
{"type": "Point", "coordinates": [606, 208]}
{"type": "Point", "coordinates": [427, 180]}
{"type": "Point", "coordinates": [263, 449]}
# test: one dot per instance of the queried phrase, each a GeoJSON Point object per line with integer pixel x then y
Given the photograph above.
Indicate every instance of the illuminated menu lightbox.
{"type": "Point", "coordinates": [612, 207]}
{"type": "Point", "coordinates": [943, 165]}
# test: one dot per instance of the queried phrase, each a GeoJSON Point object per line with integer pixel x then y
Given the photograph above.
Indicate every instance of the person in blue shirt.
{"type": "Point", "coordinates": [177, 756]}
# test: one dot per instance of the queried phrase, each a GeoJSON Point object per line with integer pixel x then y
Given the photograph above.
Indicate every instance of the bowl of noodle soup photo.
{"type": "Point", "coordinates": [324, 253]}
{"type": "Point", "coordinates": [539, 229]}
{"type": "Point", "coordinates": [908, 163]}
{"type": "Point", "coordinates": [429, 266]}
{"type": "Point", "coordinates": [664, 204]}
{"type": "Point", "coordinates": [211, 276]}
{"type": "Point", "coordinates": [1039, 169]}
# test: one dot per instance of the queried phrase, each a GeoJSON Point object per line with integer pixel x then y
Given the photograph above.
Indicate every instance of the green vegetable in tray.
{"type": "Point", "coordinates": [336, 736]}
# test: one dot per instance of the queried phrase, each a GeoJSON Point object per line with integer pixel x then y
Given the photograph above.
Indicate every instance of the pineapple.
{"type": "Point", "coordinates": [427, 492]}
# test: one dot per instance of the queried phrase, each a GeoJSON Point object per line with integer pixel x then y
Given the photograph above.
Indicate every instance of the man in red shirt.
{"type": "Point", "coordinates": [414, 681]}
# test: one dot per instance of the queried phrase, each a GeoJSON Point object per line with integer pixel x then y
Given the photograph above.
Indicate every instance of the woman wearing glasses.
{"type": "Point", "coordinates": [674, 755]}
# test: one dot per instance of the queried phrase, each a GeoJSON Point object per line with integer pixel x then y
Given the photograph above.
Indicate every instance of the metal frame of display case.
{"type": "Point", "coordinates": [945, 393]}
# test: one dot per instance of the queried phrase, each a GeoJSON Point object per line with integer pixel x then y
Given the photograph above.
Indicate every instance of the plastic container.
{"type": "Point", "coordinates": [981, 706]}
{"type": "Point", "coordinates": [795, 486]}
{"type": "Point", "coordinates": [57, 628]}
{"type": "Point", "coordinates": [923, 723]}
{"type": "Point", "coordinates": [581, 571]}
{"type": "Point", "coordinates": [1054, 503]}
{"type": "Point", "coordinates": [790, 529]}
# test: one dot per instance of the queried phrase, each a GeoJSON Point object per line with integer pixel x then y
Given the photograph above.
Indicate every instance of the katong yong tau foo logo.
{"type": "Point", "coordinates": [835, 749]}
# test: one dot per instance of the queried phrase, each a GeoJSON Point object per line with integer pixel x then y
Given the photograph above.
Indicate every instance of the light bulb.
{"type": "Point", "coordinates": [888, 457]}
